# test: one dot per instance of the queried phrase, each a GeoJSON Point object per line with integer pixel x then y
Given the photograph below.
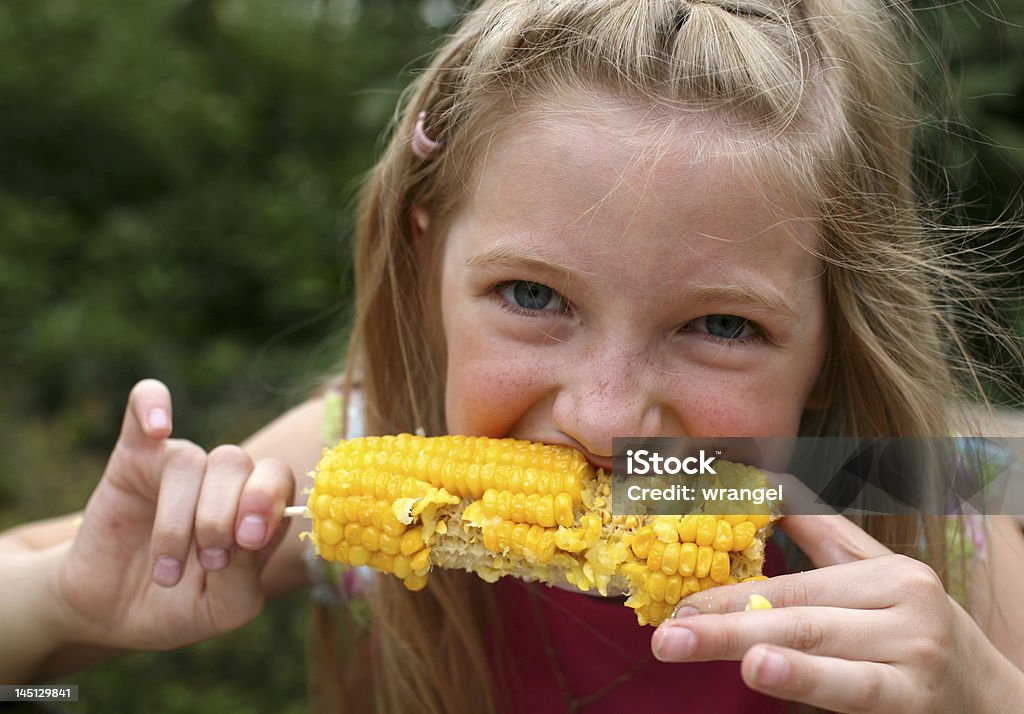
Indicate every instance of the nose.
{"type": "Point", "coordinates": [615, 395]}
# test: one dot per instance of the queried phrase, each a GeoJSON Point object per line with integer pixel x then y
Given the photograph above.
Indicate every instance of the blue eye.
{"type": "Point", "coordinates": [725, 327]}
{"type": "Point", "coordinates": [530, 296]}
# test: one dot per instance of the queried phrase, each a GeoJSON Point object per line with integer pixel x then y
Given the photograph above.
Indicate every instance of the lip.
{"type": "Point", "coordinates": [598, 462]}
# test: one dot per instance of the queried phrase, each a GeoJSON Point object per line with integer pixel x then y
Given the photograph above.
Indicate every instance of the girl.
{"type": "Point", "coordinates": [597, 218]}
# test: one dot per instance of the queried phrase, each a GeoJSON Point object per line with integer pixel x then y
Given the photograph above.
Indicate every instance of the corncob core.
{"type": "Point", "coordinates": [402, 504]}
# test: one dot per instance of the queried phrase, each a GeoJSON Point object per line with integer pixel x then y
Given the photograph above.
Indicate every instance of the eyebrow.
{"type": "Point", "coordinates": [510, 257]}
{"type": "Point", "coordinates": [763, 298]}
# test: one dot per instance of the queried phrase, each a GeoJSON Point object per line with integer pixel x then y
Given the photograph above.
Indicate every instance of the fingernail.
{"type": "Point", "coordinates": [213, 558]}
{"type": "Point", "coordinates": [166, 571]}
{"type": "Point", "coordinates": [158, 419]}
{"type": "Point", "coordinates": [676, 643]}
{"type": "Point", "coordinates": [685, 611]}
{"type": "Point", "coordinates": [251, 531]}
{"type": "Point", "coordinates": [772, 670]}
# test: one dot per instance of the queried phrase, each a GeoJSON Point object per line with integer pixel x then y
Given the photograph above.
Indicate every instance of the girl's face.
{"type": "Point", "coordinates": [602, 281]}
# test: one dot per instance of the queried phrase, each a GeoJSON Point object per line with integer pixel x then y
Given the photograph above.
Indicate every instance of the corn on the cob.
{"type": "Point", "coordinates": [402, 504]}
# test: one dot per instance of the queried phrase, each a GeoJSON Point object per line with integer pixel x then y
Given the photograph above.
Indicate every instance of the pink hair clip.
{"type": "Point", "coordinates": [422, 145]}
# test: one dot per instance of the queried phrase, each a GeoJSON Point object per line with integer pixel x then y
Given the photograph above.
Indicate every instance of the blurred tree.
{"type": "Point", "coordinates": [972, 158]}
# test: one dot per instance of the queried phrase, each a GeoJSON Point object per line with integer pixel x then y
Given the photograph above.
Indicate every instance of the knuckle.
{"type": "Point", "coordinates": [869, 694]}
{"type": "Point", "coordinates": [173, 535]}
{"type": "Point", "coordinates": [278, 474]}
{"type": "Point", "coordinates": [916, 577]}
{"type": "Point", "coordinates": [232, 457]}
{"type": "Point", "coordinates": [792, 592]}
{"type": "Point", "coordinates": [931, 654]}
{"type": "Point", "coordinates": [214, 530]}
{"type": "Point", "coordinates": [723, 642]}
{"type": "Point", "coordinates": [186, 454]}
{"type": "Point", "coordinates": [805, 635]}
{"type": "Point", "coordinates": [275, 465]}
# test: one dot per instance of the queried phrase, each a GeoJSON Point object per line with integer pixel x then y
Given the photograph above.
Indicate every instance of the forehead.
{"type": "Point", "coordinates": [601, 177]}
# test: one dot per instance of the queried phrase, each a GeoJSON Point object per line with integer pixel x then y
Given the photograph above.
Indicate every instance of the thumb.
{"type": "Point", "coordinates": [827, 537]}
{"type": "Point", "coordinates": [831, 539]}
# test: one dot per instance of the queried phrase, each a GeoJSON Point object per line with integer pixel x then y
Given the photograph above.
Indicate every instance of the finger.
{"type": "Point", "coordinates": [825, 536]}
{"type": "Point", "coordinates": [834, 684]}
{"type": "Point", "coordinates": [227, 469]}
{"type": "Point", "coordinates": [834, 586]}
{"type": "Point", "coordinates": [137, 455]}
{"type": "Point", "coordinates": [147, 420]}
{"type": "Point", "coordinates": [181, 477]}
{"type": "Point", "coordinates": [829, 631]}
{"type": "Point", "coordinates": [831, 539]}
{"type": "Point", "coordinates": [261, 506]}
{"type": "Point", "coordinates": [257, 532]}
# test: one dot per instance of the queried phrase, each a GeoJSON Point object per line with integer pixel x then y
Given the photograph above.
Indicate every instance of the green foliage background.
{"type": "Point", "coordinates": [175, 190]}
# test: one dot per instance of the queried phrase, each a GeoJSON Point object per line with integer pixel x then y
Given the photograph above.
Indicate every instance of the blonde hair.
{"type": "Point", "coordinates": [824, 87]}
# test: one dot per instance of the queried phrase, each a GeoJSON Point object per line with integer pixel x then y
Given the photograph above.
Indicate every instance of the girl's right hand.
{"type": "Point", "coordinates": [173, 540]}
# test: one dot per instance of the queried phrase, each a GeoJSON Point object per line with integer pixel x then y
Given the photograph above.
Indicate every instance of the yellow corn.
{"type": "Point", "coordinates": [758, 602]}
{"type": "Point", "coordinates": [496, 507]}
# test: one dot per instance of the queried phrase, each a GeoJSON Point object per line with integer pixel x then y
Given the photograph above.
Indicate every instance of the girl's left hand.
{"type": "Point", "coordinates": [871, 632]}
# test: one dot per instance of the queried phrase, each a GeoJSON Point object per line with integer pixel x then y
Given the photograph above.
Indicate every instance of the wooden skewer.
{"type": "Point", "coordinates": [294, 511]}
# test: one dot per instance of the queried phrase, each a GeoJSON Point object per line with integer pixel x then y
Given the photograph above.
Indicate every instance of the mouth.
{"type": "Point", "coordinates": [598, 462]}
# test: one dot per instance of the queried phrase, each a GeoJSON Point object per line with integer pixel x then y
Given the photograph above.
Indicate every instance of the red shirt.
{"type": "Point", "coordinates": [604, 660]}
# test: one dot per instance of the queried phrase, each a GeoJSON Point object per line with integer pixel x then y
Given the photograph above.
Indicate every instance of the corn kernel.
{"type": "Point", "coordinates": [743, 535]}
{"type": "Point", "coordinates": [656, 585]}
{"type": "Point", "coordinates": [757, 602]}
{"type": "Point", "coordinates": [563, 510]}
{"type": "Point", "coordinates": [656, 555]}
{"type": "Point", "coordinates": [707, 528]}
{"type": "Point", "coordinates": [642, 541]}
{"type": "Point", "coordinates": [330, 532]}
{"type": "Point", "coordinates": [674, 589]}
{"type": "Point", "coordinates": [670, 558]}
{"type": "Point", "coordinates": [687, 528]}
{"type": "Point", "coordinates": [723, 537]}
{"type": "Point", "coordinates": [720, 566]}
{"type": "Point", "coordinates": [665, 529]}
{"type": "Point", "coordinates": [687, 559]}
{"type": "Point", "coordinates": [420, 561]}
{"type": "Point", "coordinates": [415, 582]}
{"type": "Point", "coordinates": [705, 554]}
{"type": "Point", "coordinates": [358, 555]}
{"type": "Point", "coordinates": [760, 520]}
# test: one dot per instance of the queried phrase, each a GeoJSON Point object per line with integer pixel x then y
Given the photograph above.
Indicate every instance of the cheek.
{"type": "Point", "coordinates": [768, 403]}
{"type": "Point", "coordinates": [488, 390]}
{"type": "Point", "coordinates": [739, 414]}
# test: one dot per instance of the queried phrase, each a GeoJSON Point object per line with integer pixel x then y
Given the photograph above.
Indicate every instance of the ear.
{"type": "Point", "coordinates": [419, 228]}
{"type": "Point", "coordinates": [419, 222]}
